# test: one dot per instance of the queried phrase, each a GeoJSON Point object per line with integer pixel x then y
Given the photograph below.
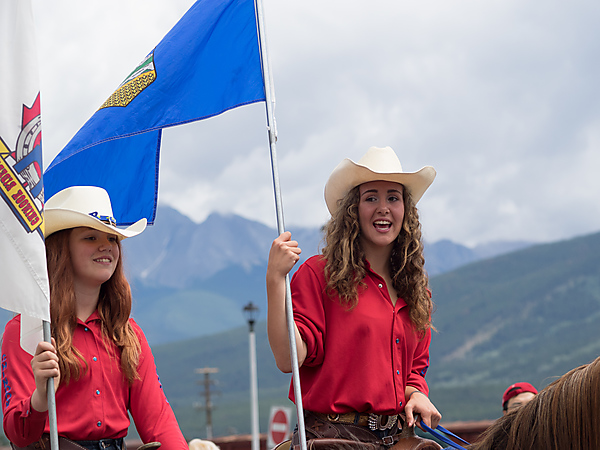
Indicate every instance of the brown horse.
{"type": "Point", "coordinates": [563, 416]}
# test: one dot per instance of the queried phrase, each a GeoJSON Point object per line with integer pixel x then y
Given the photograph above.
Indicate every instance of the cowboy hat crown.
{"type": "Point", "coordinates": [85, 206]}
{"type": "Point", "coordinates": [378, 164]}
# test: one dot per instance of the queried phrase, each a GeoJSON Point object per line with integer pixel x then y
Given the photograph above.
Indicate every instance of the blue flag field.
{"type": "Point", "coordinates": [207, 64]}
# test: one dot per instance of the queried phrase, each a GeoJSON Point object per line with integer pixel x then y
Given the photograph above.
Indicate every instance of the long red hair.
{"type": "Point", "coordinates": [114, 308]}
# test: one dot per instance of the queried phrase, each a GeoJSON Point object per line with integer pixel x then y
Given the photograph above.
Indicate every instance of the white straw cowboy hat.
{"type": "Point", "coordinates": [85, 206]}
{"type": "Point", "coordinates": [378, 164]}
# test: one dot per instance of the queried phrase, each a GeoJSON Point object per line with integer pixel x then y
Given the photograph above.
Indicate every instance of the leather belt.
{"type": "Point", "coordinates": [370, 420]}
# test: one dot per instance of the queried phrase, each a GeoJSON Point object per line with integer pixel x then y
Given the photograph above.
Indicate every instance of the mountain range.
{"type": "Point", "coordinates": [178, 253]}
{"type": "Point", "coordinates": [191, 279]}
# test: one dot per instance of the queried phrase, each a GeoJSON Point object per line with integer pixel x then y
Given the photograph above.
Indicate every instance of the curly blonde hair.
{"type": "Point", "coordinates": [114, 307]}
{"type": "Point", "coordinates": [345, 260]}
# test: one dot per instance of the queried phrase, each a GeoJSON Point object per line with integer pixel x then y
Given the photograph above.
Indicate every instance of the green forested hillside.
{"type": "Point", "coordinates": [527, 316]}
{"type": "Point", "coordinates": [530, 315]}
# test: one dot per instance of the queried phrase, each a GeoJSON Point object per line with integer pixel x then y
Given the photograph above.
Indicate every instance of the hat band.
{"type": "Point", "coordinates": [106, 219]}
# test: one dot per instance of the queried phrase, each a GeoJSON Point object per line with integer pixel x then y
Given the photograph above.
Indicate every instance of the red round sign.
{"type": "Point", "coordinates": [279, 427]}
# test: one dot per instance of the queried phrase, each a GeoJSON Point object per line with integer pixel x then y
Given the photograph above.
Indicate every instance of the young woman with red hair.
{"type": "Point", "coordinates": [99, 357]}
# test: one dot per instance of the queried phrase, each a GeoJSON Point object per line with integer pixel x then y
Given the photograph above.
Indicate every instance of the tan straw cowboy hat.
{"type": "Point", "coordinates": [85, 206]}
{"type": "Point", "coordinates": [378, 164]}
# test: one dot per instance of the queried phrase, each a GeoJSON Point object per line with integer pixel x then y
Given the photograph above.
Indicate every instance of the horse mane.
{"type": "Point", "coordinates": [564, 415]}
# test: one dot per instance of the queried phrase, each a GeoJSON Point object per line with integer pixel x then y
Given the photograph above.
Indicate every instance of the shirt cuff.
{"type": "Point", "coordinates": [422, 387]}
{"type": "Point", "coordinates": [32, 413]}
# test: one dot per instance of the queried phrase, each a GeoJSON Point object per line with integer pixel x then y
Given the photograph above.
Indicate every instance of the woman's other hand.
{"type": "Point", "coordinates": [419, 403]}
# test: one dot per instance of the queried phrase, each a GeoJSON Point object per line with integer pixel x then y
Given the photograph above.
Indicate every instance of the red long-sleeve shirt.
{"type": "Point", "coordinates": [95, 406]}
{"type": "Point", "coordinates": [360, 359]}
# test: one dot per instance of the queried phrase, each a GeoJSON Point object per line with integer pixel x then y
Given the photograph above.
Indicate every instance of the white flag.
{"type": "Point", "coordinates": [23, 277]}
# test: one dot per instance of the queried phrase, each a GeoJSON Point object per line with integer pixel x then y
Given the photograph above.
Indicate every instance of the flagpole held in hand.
{"type": "Point", "coordinates": [271, 126]}
{"type": "Point", "coordinates": [51, 396]}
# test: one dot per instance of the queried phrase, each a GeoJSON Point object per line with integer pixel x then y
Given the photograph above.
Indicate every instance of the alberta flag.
{"type": "Point", "coordinates": [23, 276]}
{"type": "Point", "coordinates": [207, 64]}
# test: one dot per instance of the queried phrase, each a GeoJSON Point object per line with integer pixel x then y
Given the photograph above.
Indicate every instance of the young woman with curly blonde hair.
{"type": "Point", "coordinates": [362, 309]}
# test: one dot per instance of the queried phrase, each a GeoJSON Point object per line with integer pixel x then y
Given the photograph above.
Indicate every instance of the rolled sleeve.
{"type": "Point", "coordinates": [420, 364]}
{"type": "Point", "coordinates": [309, 314]}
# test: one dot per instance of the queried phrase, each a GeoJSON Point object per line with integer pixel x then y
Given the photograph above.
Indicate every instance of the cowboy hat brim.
{"type": "Point", "coordinates": [349, 174]}
{"type": "Point", "coordinates": [57, 219]}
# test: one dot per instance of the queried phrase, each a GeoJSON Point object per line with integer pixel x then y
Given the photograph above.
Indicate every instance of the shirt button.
{"type": "Point", "coordinates": [97, 392]}
{"type": "Point", "coordinates": [397, 341]}
{"type": "Point", "coordinates": [380, 285]}
{"type": "Point", "coordinates": [99, 424]}
{"type": "Point", "coordinates": [400, 404]}
{"type": "Point", "coordinates": [95, 359]}
{"type": "Point", "coordinates": [397, 372]}
{"type": "Point", "coordinates": [86, 329]}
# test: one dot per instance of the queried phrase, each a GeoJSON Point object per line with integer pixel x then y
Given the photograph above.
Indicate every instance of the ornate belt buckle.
{"type": "Point", "coordinates": [379, 422]}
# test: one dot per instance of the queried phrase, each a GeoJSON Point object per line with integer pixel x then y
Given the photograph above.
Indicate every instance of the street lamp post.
{"type": "Point", "coordinates": [251, 311]}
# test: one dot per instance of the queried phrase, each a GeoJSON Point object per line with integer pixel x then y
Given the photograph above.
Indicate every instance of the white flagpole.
{"type": "Point", "coordinates": [51, 397]}
{"type": "Point", "coordinates": [272, 128]}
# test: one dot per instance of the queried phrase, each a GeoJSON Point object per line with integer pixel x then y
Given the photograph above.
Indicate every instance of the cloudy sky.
{"type": "Point", "coordinates": [500, 96]}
